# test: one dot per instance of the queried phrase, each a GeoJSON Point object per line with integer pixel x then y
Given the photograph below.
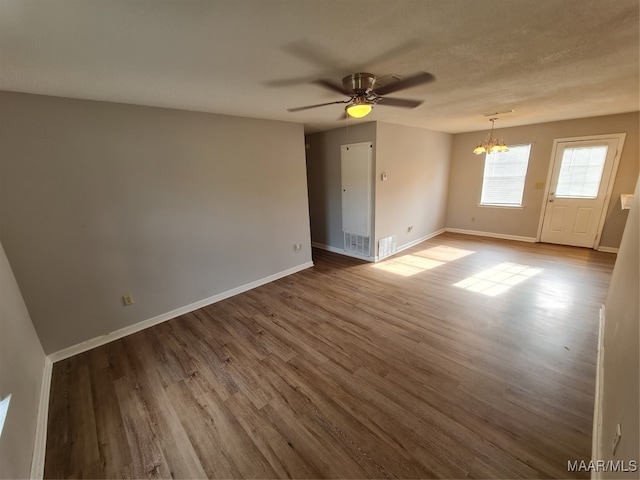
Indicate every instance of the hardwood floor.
{"type": "Point", "coordinates": [352, 370]}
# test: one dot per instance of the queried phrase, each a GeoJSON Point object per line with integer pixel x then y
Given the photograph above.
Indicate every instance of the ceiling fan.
{"type": "Point", "coordinates": [363, 94]}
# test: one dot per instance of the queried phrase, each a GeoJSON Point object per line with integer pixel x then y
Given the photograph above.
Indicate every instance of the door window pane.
{"type": "Point", "coordinates": [581, 172]}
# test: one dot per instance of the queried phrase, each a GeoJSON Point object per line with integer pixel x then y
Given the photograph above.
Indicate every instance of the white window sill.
{"type": "Point", "coordinates": [512, 207]}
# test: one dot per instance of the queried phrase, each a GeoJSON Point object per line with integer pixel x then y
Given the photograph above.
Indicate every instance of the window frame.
{"type": "Point", "coordinates": [519, 206]}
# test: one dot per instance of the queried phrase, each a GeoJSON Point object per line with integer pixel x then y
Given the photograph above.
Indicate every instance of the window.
{"type": "Point", "coordinates": [4, 406]}
{"type": "Point", "coordinates": [504, 174]}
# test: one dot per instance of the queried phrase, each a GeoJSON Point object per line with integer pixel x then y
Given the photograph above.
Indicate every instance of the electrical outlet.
{"type": "Point", "coordinates": [409, 228]}
{"type": "Point", "coordinates": [297, 247]}
{"type": "Point", "coordinates": [473, 219]}
{"type": "Point", "coordinates": [127, 299]}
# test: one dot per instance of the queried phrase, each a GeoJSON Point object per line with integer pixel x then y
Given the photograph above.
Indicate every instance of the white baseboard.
{"type": "Point", "coordinates": [413, 243]}
{"type": "Point", "coordinates": [514, 237]}
{"type": "Point", "coordinates": [421, 239]}
{"type": "Point", "coordinates": [596, 454]}
{"type": "Point", "coordinates": [40, 443]}
{"type": "Point", "coordinates": [123, 332]}
{"type": "Point", "coordinates": [492, 235]}
{"type": "Point", "coordinates": [341, 251]}
{"type": "Point", "coordinates": [608, 249]}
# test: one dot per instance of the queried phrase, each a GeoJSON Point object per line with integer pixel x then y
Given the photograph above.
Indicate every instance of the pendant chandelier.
{"type": "Point", "coordinates": [491, 145]}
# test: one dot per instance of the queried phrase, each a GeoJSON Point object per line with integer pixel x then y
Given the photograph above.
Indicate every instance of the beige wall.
{"type": "Point", "coordinates": [416, 162]}
{"type": "Point", "coordinates": [101, 199]}
{"type": "Point", "coordinates": [323, 175]}
{"type": "Point", "coordinates": [465, 182]}
{"type": "Point", "coordinates": [21, 371]}
{"type": "Point", "coordinates": [621, 352]}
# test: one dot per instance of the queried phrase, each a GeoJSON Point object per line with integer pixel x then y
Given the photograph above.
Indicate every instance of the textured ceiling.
{"type": "Point", "coordinates": [545, 59]}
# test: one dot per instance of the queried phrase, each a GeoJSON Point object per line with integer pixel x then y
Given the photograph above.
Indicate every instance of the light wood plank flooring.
{"type": "Point", "coordinates": [460, 357]}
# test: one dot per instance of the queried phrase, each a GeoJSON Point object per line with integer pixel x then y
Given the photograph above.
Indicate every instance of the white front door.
{"type": "Point", "coordinates": [582, 173]}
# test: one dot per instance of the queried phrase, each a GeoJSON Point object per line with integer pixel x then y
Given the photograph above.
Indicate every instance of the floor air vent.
{"type": "Point", "coordinates": [387, 246]}
{"type": "Point", "coordinates": [357, 244]}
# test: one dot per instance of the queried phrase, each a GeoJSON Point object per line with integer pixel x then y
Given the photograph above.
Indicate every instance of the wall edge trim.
{"type": "Point", "coordinates": [136, 327]}
{"type": "Point", "coordinates": [608, 249]}
{"type": "Point", "coordinates": [40, 442]}
{"type": "Point", "coordinates": [492, 235]}
{"type": "Point", "coordinates": [596, 453]}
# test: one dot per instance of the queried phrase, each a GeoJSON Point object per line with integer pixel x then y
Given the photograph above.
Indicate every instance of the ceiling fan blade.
{"type": "Point", "coordinates": [399, 102]}
{"type": "Point", "coordinates": [288, 82]}
{"type": "Point", "coordinates": [393, 53]}
{"type": "Point", "coordinates": [297, 109]}
{"type": "Point", "coordinates": [333, 86]}
{"type": "Point", "coordinates": [412, 81]}
{"type": "Point", "coordinates": [314, 54]}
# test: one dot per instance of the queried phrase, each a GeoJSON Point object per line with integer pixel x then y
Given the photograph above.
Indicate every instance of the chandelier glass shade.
{"type": "Point", "coordinates": [359, 108]}
{"type": "Point", "coordinates": [491, 145]}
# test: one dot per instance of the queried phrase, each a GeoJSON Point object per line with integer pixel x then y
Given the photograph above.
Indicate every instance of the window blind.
{"type": "Point", "coordinates": [504, 176]}
{"type": "Point", "coordinates": [581, 172]}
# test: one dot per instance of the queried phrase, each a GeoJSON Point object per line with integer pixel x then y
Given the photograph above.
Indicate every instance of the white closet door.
{"type": "Point", "coordinates": [356, 188]}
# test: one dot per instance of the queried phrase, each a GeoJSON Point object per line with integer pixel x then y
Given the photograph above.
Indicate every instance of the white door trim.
{"type": "Point", "coordinates": [616, 161]}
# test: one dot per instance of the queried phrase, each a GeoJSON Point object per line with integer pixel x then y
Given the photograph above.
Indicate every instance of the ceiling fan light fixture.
{"type": "Point", "coordinates": [359, 108]}
{"type": "Point", "coordinates": [363, 95]}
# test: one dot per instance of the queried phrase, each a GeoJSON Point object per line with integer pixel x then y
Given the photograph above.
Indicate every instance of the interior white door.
{"type": "Point", "coordinates": [582, 174]}
{"type": "Point", "coordinates": [356, 188]}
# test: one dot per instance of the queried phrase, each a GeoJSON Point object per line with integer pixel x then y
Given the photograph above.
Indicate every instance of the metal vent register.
{"type": "Point", "coordinates": [387, 246]}
{"type": "Point", "coordinates": [357, 243]}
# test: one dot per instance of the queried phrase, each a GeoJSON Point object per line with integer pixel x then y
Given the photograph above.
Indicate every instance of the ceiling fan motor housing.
{"type": "Point", "coordinates": [358, 83]}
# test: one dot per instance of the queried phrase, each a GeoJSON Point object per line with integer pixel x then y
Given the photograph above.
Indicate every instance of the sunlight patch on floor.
{"type": "Point", "coordinates": [407, 265]}
{"type": "Point", "coordinates": [444, 253]}
{"type": "Point", "coordinates": [498, 279]}
{"type": "Point", "coordinates": [413, 263]}
{"type": "Point", "coordinates": [556, 294]}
